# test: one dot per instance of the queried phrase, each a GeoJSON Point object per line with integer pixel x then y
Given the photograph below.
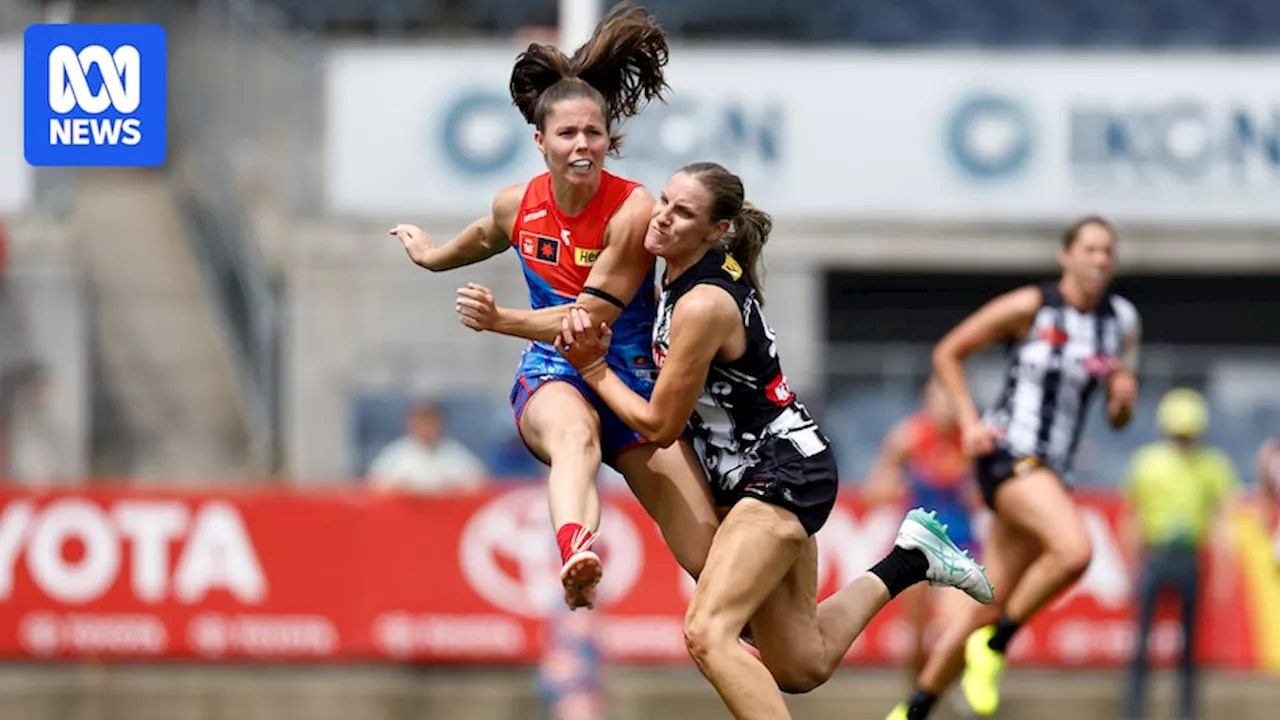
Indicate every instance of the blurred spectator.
{"type": "Point", "coordinates": [424, 459]}
{"type": "Point", "coordinates": [59, 11]}
{"type": "Point", "coordinates": [31, 448]}
{"type": "Point", "coordinates": [1177, 488]}
{"type": "Point", "coordinates": [1269, 487]}
{"type": "Point", "coordinates": [511, 461]}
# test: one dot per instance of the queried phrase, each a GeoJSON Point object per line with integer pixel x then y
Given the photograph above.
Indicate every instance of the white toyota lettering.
{"type": "Point", "coordinates": [218, 553]}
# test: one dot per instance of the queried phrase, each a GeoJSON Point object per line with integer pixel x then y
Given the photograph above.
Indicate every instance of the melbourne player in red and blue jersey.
{"type": "Point", "coordinates": [558, 254]}
{"type": "Point", "coordinates": [922, 463]}
{"type": "Point", "coordinates": [579, 232]}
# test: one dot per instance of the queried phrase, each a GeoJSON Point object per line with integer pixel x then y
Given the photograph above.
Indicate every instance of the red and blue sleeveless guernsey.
{"type": "Point", "coordinates": [557, 253]}
{"type": "Point", "coordinates": [939, 472]}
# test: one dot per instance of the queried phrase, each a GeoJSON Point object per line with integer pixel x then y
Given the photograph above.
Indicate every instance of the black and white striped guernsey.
{"type": "Point", "coordinates": [745, 403]}
{"type": "Point", "coordinates": [1054, 373]}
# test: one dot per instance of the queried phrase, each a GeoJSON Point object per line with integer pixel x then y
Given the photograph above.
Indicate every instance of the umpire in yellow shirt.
{"type": "Point", "coordinates": [1177, 489]}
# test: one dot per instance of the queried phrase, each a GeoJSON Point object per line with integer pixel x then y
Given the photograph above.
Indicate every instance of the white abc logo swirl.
{"type": "Point", "coordinates": [121, 79]}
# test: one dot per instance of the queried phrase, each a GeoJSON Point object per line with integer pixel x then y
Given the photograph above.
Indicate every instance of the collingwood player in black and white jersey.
{"type": "Point", "coordinates": [1066, 341]}
{"type": "Point", "coordinates": [772, 472]}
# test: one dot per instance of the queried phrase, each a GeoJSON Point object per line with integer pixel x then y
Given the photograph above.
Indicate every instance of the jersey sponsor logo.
{"type": "Point", "coordinates": [539, 248]}
{"type": "Point", "coordinates": [1024, 465]}
{"type": "Point", "coordinates": [731, 267]}
{"type": "Point", "coordinates": [536, 215]}
{"type": "Point", "coordinates": [642, 367]}
{"type": "Point", "coordinates": [778, 392]}
{"type": "Point", "coordinates": [582, 257]}
{"type": "Point", "coordinates": [1055, 336]}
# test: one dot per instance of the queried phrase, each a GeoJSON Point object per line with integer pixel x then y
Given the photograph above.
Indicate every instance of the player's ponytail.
{"type": "Point", "coordinates": [536, 70]}
{"type": "Point", "coordinates": [620, 67]}
{"type": "Point", "coordinates": [624, 61]}
{"type": "Point", "coordinates": [749, 226]}
{"type": "Point", "coordinates": [745, 242]}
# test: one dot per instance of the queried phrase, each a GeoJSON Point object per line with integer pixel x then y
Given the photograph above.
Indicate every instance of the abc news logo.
{"type": "Point", "coordinates": [69, 89]}
{"type": "Point", "coordinates": [95, 95]}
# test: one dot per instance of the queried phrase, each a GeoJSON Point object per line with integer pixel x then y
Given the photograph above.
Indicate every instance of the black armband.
{"type": "Point", "coordinates": [605, 297]}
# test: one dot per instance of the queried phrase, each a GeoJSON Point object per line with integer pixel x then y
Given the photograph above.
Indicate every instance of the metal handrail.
{"type": "Point", "coordinates": [237, 275]}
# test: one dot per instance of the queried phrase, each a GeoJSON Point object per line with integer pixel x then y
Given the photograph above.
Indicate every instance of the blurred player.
{"type": "Point", "coordinates": [772, 471]}
{"type": "Point", "coordinates": [1269, 485]}
{"type": "Point", "coordinates": [1066, 340]}
{"type": "Point", "coordinates": [569, 676]}
{"type": "Point", "coordinates": [922, 464]}
{"type": "Point", "coordinates": [579, 232]}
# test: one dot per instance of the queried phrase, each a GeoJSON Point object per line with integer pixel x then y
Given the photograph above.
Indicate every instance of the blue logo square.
{"type": "Point", "coordinates": [94, 95]}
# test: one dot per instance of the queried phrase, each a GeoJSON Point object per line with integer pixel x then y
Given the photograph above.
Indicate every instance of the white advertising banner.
{"type": "Point", "coordinates": [831, 135]}
{"type": "Point", "coordinates": [15, 173]}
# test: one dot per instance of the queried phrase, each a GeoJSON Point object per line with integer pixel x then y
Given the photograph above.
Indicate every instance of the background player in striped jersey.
{"type": "Point", "coordinates": [922, 464]}
{"type": "Point", "coordinates": [1066, 339]}
{"type": "Point", "coordinates": [579, 232]}
{"type": "Point", "coordinates": [771, 470]}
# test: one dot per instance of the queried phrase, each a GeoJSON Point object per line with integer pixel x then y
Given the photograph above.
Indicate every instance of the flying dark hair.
{"type": "Point", "coordinates": [620, 67]}
{"type": "Point", "coordinates": [749, 225]}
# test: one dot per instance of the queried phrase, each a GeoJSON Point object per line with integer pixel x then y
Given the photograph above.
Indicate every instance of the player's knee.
{"type": "Point", "coordinates": [575, 439]}
{"type": "Point", "coordinates": [801, 675]}
{"type": "Point", "coordinates": [1074, 554]}
{"type": "Point", "coordinates": [1076, 561]}
{"type": "Point", "coordinates": [705, 634]}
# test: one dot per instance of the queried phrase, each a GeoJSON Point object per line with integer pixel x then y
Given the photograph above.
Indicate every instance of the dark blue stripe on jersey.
{"type": "Point", "coordinates": [1052, 375]}
{"type": "Point", "coordinates": [1102, 316]}
{"type": "Point", "coordinates": [1086, 396]}
{"type": "Point", "coordinates": [1005, 402]}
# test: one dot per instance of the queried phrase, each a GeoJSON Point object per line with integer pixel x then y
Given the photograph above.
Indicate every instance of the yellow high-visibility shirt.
{"type": "Point", "coordinates": [1175, 492]}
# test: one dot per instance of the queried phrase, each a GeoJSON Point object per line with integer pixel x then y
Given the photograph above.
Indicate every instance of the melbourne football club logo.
{"type": "Point", "coordinates": [94, 95]}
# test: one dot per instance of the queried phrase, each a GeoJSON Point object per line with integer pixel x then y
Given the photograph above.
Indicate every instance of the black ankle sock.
{"type": "Point", "coordinates": [921, 704]}
{"type": "Point", "coordinates": [1005, 628]}
{"type": "Point", "coordinates": [901, 569]}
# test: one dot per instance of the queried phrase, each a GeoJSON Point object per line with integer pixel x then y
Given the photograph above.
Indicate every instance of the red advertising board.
{"type": "Point", "coordinates": [275, 575]}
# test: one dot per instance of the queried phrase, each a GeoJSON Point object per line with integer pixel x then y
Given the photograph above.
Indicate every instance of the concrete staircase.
{"type": "Point", "coordinates": [163, 352]}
